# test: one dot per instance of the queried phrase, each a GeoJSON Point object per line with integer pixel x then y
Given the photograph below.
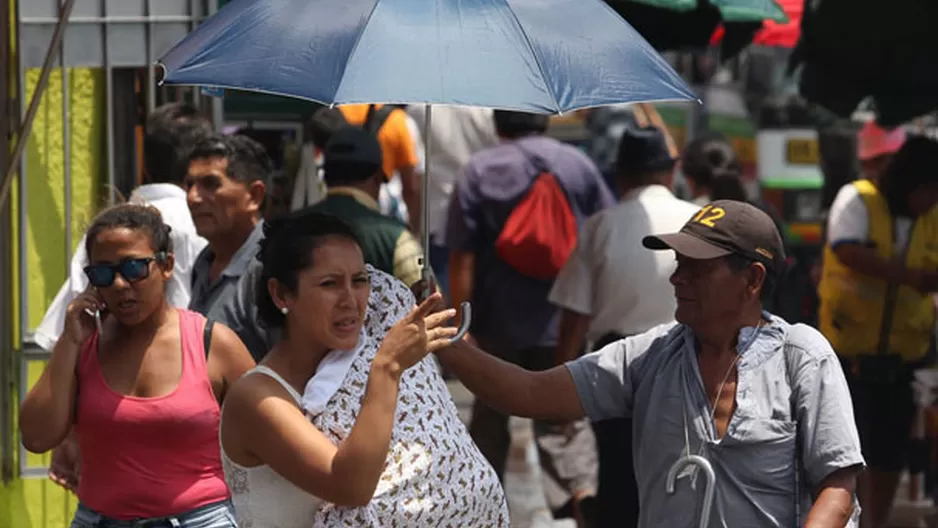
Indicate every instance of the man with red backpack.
{"type": "Point", "coordinates": [512, 223]}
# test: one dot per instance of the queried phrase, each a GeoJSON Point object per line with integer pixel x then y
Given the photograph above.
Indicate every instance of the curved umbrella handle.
{"type": "Point", "coordinates": [709, 490]}
{"type": "Point", "coordinates": [466, 320]}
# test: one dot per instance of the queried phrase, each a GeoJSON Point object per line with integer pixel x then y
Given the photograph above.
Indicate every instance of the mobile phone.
{"type": "Point", "coordinates": [97, 318]}
{"type": "Point", "coordinates": [97, 313]}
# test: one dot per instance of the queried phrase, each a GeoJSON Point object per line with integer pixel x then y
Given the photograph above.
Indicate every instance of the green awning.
{"type": "Point", "coordinates": [731, 10]}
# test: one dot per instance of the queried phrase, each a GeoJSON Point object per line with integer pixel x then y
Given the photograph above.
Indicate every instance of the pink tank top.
{"type": "Point", "coordinates": [150, 457]}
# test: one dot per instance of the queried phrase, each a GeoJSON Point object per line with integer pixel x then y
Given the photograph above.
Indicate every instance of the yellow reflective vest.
{"type": "Point", "coordinates": [863, 315]}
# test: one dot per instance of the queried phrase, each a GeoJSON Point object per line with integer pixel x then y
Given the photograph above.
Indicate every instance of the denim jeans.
{"type": "Point", "coordinates": [217, 515]}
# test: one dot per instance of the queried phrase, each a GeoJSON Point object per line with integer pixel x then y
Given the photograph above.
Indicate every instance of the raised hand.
{"type": "Point", "coordinates": [79, 317]}
{"type": "Point", "coordinates": [417, 334]}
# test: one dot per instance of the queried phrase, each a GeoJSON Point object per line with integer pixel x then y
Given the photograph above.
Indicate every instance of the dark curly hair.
{"type": "Point", "coordinates": [136, 217]}
{"type": "Point", "coordinates": [287, 249]}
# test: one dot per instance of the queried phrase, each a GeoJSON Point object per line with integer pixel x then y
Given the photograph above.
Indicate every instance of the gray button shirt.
{"type": "Point", "coordinates": [793, 425]}
{"type": "Point", "coordinates": [240, 314]}
{"type": "Point", "coordinates": [210, 298]}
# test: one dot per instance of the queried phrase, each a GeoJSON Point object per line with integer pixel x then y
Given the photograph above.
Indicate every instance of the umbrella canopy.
{"type": "Point", "coordinates": [544, 56]}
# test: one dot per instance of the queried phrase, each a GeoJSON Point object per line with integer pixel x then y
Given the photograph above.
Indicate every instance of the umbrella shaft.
{"type": "Point", "coordinates": [425, 194]}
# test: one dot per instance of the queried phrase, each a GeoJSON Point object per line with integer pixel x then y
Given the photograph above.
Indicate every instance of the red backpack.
{"type": "Point", "coordinates": [540, 233]}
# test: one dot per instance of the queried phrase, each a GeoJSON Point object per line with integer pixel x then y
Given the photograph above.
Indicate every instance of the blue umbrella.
{"type": "Point", "coordinates": [543, 56]}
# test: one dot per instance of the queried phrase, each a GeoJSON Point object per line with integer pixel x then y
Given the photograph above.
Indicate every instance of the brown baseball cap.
{"type": "Point", "coordinates": [722, 228]}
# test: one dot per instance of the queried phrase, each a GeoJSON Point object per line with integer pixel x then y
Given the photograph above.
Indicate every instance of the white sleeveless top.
{"type": "Point", "coordinates": [261, 497]}
{"type": "Point", "coordinates": [434, 474]}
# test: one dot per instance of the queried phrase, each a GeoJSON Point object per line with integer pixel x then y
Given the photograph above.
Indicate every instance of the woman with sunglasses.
{"type": "Point", "coordinates": [141, 383]}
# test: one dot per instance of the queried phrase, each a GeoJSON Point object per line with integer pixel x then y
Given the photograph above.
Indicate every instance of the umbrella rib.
{"type": "Point", "coordinates": [537, 58]}
{"type": "Point", "coordinates": [348, 59]}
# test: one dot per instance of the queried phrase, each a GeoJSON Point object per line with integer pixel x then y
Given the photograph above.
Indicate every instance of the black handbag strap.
{"type": "Point", "coordinates": [376, 117]}
{"type": "Point", "coordinates": [207, 335]}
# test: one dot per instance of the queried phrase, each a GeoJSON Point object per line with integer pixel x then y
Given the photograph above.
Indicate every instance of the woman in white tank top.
{"type": "Point", "coordinates": [279, 466]}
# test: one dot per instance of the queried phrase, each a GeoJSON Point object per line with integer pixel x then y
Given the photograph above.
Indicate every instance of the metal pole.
{"type": "Point", "coordinates": [66, 151]}
{"type": "Point", "coordinates": [218, 105]}
{"type": "Point", "coordinates": [96, 20]}
{"type": "Point", "coordinates": [425, 271]}
{"type": "Point", "coordinates": [23, 133]}
{"type": "Point", "coordinates": [109, 104]}
{"type": "Point", "coordinates": [196, 92]}
{"type": "Point", "coordinates": [22, 193]}
{"type": "Point", "coordinates": [6, 282]}
{"type": "Point", "coordinates": [151, 67]}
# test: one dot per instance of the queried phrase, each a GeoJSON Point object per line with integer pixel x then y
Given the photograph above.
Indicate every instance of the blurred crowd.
{"type": "Point", "coordinates": [290, 321]}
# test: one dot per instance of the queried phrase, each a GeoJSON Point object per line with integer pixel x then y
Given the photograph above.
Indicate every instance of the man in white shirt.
{"type": "Point", "coordinates": [611, 287]}
{"type": "Point", "coordinates": [171, 130]}
{"type": "Point", "coordinates": [456, 133]}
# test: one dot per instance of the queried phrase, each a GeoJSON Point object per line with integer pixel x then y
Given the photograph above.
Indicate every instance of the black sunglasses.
{"type": "Point", "coordinates": [131, 269]}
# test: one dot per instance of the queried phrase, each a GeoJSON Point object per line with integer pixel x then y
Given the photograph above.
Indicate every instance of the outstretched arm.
{"type": "Point", "coordinates": [548, 395]}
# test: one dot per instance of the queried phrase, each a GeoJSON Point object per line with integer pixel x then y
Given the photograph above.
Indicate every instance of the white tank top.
{"type": "Point", "coordinates": [261, 497]}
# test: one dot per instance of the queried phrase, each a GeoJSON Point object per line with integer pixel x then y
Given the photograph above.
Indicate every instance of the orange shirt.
{"type": "Point", "coordinates": [397, 146]}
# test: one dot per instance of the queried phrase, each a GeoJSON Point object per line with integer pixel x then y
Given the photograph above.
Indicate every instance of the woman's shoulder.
{"type": "Point", "coordinates": [259, 402]}
{"type": "Point", "coordinates": [190, 318]}
{"type": "Point", "coordinates": [259, 383]}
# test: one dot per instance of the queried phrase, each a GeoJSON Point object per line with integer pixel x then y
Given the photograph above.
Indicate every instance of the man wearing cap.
{"type": "Point", "coordinates": [879, 272]}
{"type": "Point", "coordinates": [763, 401]}
{"type": "Point", "coordinates": [611, 288]}
{"type": "Point", "coordinates": [352, 170]}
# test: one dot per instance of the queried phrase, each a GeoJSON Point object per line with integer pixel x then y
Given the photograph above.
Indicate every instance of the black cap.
{"type": "Point", "coordinates": [643, 150]}
{"type": "Point", "coordinates": [722, 228]}
{"type": "Point", "coordinates": [353, 144]}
